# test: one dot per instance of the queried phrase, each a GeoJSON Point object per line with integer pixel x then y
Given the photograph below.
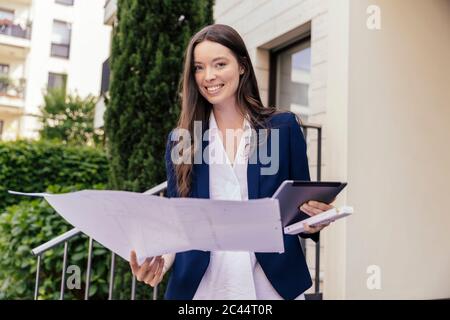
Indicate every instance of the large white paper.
{"type": "Point", "coordinates": [123, 221]}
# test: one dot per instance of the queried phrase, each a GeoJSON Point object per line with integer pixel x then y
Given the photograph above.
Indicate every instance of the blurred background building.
{"type": "Point", "coordinates": [47, 44]}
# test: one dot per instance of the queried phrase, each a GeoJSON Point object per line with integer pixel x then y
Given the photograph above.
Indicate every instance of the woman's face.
{"type": "Point", "coordinates": [216, 72]}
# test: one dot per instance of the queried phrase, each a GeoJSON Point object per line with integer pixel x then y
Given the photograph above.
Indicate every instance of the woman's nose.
{"type": "Point", "coordinates": [210, 75]}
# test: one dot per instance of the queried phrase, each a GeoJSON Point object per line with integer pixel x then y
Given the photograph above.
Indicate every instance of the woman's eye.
{"type": "Point", "coordinates": [221, 65]}
{"type": "Point", "coordinates": [197, 68]}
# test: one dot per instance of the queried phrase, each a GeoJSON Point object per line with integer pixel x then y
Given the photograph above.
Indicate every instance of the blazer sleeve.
{"type": "Point", "coordinates": [171, 191]}
{"type": "Point", "coordinates": [299, 169]}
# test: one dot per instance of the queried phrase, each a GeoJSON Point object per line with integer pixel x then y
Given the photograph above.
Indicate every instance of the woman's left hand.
{"type": "Point", "coordinates": [312, 208]}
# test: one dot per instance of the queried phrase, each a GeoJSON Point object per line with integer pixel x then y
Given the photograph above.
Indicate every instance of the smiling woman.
{"type": "Point", "coordinates": [217, 72]}
{"type": "Point", "coordinates": [221, 92]}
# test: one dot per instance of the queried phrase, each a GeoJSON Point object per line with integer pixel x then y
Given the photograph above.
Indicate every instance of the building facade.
{"type": "Point", "coordinates": [47, 44]}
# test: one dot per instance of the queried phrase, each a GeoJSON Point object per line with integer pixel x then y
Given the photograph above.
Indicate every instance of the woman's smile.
{"type": "Point", "coordinates": [213, 90]}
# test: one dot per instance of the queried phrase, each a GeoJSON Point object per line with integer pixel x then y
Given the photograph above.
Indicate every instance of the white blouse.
{"type": "Point", "coordinates": [232, 275]}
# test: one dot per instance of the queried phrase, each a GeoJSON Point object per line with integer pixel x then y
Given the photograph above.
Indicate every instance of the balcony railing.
{"type": "Point", "coordinates": [15, 29]}
{"type": "Point", "coordinates": [157, 190]}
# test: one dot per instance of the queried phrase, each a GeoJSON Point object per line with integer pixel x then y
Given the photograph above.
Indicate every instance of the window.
{"type": "Point", "coordinates": [4, 69]}
{"type": "Point", "coordinates": [6, 15]}
{"type": "Point", "coordinates": [60, 39]}
{"type": "Point", "coordinates": [65, 2]}
{"type": "Point", "coordinates": [291, 78]}
{"type": "Point", "coordinates": [6, 21]}
{"type": "Point", "coordinates": [57, 81]}
{"type": "Point", "coordinates": [4, 77]}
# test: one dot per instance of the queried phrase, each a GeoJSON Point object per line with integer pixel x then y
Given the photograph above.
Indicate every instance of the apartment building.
{"type": "Point", "coordinates": [47, 44]}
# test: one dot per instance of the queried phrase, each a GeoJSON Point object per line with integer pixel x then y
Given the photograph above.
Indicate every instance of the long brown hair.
{"type": "Point", "coordinates": [194, 107]}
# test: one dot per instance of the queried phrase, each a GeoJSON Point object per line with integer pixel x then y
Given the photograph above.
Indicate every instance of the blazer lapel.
{"type": "Point", "coordinates": [253, 180]}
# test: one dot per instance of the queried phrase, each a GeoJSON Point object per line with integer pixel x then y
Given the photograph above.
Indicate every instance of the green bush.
{"type": "Point", "coordinates": [25, 226]}
{"type": "Point", "coordinates": [26, 222]}
{"type": "Point", "coordinates": [32, 166]}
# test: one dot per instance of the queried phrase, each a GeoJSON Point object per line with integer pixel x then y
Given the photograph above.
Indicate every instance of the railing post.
{"type": "Point", "coordinates": [133, 287]}
{"type": "Point", "coordinates": [88, 273]}
{"type": "Point", "coordinates": [63, 275]}
{"type": "Point", "coordinates": [319, 172]}
{"type": "Point", "coordinates": [36, 284]}
{"type": "Point", "coordinates": [111, 276]}
{"type": "Point", "coordinates": [155, 293]}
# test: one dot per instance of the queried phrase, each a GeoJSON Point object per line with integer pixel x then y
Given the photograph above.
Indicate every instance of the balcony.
{"type": "Point", "coordinates": [12, 93]}
{"type": "Point", "coordinates": [110, 12]}
{"type": "Point", "coordinates": [15, 37]}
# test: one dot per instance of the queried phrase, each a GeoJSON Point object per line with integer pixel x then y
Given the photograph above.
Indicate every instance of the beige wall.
{"type": "Point", "coordinates": [398, 160]}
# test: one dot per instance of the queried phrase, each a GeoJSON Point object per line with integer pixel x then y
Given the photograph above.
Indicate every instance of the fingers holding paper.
{"type": "Point", "coordinates": [313, 208]}
{"type": "Point", "coordinates": [150, 271]}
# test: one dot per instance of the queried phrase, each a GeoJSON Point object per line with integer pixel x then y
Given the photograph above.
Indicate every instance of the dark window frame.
{"type": "Point", "coordinates": [64, 75]}
{"type": "Point", "coordinates": [55, 48]}
{"type": "Point", "coordinates": [273, 56]}
{"type": "Point", "coordinates": [6, 66]}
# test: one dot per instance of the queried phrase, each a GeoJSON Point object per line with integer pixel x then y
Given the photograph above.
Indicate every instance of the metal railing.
{"type": "Point", "coordinates": [71, 234]}
{"type": "Point", "coordinates": [317, 295]}
{"type": "Point", "coordinates": [159, 190]}
{"type": "Point", "coordinates": [15, 29]}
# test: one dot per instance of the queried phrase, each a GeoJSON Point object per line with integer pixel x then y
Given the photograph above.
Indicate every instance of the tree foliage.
{"type": "Point", "coordinates": [69, 119]}
{"type": "Point", "coordinates": [146, 65]}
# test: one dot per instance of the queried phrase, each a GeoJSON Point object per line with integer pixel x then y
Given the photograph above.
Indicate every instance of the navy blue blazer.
{"type": "Point", "coordinates": [287, 272]}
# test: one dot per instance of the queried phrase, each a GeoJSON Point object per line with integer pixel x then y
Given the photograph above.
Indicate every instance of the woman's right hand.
{"type": "Point", "coordinates": [150, 271]}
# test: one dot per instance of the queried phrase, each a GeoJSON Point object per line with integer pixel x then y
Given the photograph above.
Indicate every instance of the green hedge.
{"type": "Point", "coordinates": [25, 226]}
{"type": "Point", "coordinates": [27, 222]}
{"type": "Point", "coordinates": [31, 166]}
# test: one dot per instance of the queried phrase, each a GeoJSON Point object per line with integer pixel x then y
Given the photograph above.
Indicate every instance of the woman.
{"type": "Point", "coordinates": [220, 92]}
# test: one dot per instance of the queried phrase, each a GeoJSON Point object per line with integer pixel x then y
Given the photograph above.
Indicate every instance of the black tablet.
{"type": "Point", "coordinates": [292, 194]}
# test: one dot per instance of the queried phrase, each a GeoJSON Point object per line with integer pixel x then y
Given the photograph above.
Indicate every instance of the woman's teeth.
{"type": "Point", "coordinates": [214, 89]}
